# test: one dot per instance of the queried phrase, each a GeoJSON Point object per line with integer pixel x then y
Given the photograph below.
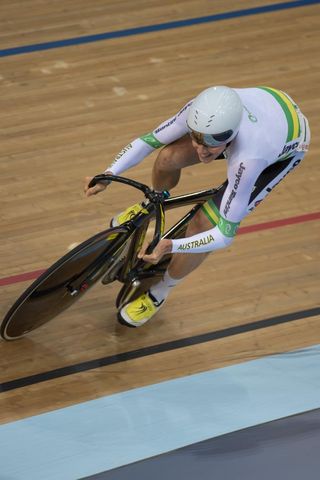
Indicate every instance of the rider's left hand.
{"type": "Point", "coordinates": [163, 247]}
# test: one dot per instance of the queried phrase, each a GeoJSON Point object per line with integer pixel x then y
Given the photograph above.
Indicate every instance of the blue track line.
{"type": "Point", "coordinates": [154, 28]}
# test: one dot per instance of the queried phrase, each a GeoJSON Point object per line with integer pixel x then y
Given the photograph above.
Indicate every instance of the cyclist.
{"type": "Point", "coordinates": [262, 135]}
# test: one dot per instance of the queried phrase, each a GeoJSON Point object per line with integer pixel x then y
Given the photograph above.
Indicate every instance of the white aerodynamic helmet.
{"type": "Point", "coordinates": [214, 116]}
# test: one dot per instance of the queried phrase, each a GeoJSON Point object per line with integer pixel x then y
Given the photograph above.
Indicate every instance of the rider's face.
{"type": "Point", "coordinates": [207, 154]}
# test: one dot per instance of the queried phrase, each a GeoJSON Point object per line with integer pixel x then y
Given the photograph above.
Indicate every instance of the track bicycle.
{"type": "Point", "coordinates": [107, 256]}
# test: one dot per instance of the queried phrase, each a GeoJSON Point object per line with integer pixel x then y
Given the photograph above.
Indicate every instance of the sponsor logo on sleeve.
{"type": "Point", "coordinates": [173, 120]}
{"type": "Point", "coordinates": [196, 243]}
{"type": "Point", "coordinates": [120, 154]}
{"type": "Point", "coordinates": [166, 125]}
{"type": "Point", "coordinates": [233, 192]}
{"type": "Point", "coordinates": [184, 108]}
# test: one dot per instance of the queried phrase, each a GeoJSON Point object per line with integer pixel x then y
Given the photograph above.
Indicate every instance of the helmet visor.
{"type": "Point", "coordinates": [211, 140]}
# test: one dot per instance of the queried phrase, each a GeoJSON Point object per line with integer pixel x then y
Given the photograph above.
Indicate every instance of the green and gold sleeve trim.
{"type": "Point", "coordinates": [210, 210]}
{"type": "Point", "coordinates": [151, 140]}
{"type": "Point", "coordinates": [227, 228]}
{"type": "Point", "coordinates": [289, 110]}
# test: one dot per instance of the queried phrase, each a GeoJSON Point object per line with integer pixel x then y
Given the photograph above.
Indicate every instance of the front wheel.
{"type": "Point", "coordinates": [65, 282]}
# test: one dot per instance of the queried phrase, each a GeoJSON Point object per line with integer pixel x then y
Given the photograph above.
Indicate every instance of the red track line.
{"type": "Point", "coordinates": [308, 217]}
{"type": "Point", "coordinates": [280, 223]}
{"type": "Point", "coordinates": [22, 277]}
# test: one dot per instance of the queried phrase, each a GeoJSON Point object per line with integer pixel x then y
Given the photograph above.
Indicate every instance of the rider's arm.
{"type": "Point", "coordinates": [167, 132]}
{"type": "Point", "coordinates": [233, 208]}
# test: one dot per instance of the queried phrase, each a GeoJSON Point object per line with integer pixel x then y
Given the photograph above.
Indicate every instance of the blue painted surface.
{"type": "Point", "coordinates": [154, 28]}
{"type": "Point", "coordinates": [119, 429]}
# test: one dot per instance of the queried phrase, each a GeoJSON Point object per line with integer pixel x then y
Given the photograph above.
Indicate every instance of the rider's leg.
{"type": "Point", "coordinates": [182, 263]}
{"type": "Point", "coordinates": [165, 175]}
{"type": "Point", "coordinates": [166, 172]}
{"type": "Point", "coordinates": [171, 159]}
{"type": "Point", "coordinates": [139, 311]}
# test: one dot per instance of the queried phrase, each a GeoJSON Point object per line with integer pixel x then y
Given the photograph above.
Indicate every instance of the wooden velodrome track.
{"type": "Point", "coordinates": [66, 112]}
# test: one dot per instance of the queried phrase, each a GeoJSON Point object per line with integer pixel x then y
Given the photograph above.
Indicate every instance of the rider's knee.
{"type": "Point", "coordinates": [168, 158]}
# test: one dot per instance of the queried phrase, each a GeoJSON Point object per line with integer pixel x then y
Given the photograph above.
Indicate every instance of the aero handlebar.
{"type": "Point", "coordinates": [155, 198]}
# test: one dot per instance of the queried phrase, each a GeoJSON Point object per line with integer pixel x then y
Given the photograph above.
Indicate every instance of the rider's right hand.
{"type": "Point", "coordinates": [99, 187]}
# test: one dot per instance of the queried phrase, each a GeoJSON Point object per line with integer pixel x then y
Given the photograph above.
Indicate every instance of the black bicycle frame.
{"type": "Point", "coordinates": [134, 270]}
